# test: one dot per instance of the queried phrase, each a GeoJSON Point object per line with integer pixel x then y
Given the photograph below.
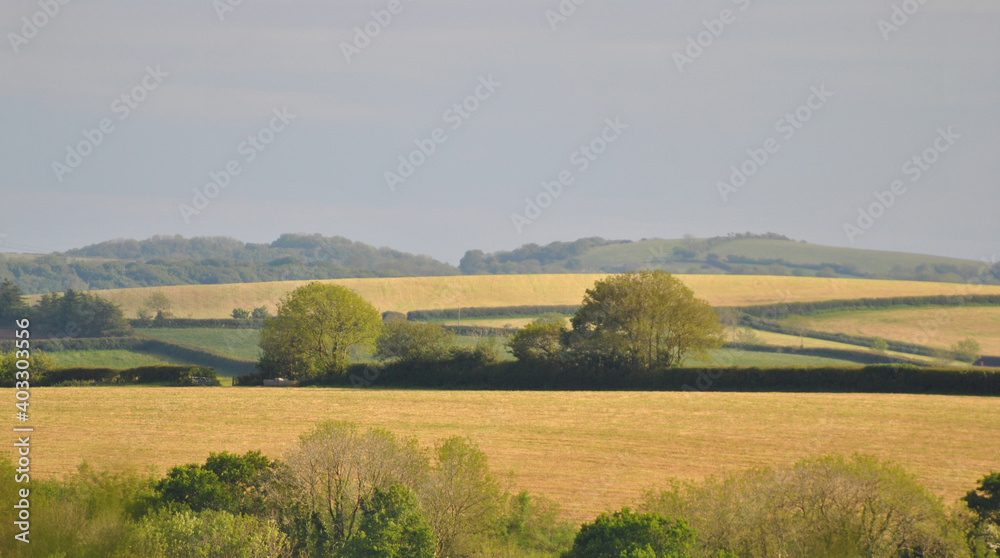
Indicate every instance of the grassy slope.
{"type": "Point", "coordinates": [418, 293]}
{"type": "Point", "coordinates": [932, 326]}
{"type": "Point", "coordinates": [590, 451]}
{"type": "Point", "coordinates": [652, 252]}
{"type": "Point", "coordinates": [782, 340]}
{"type": "Point", "coordinates": [241, 343]}
{"type": "Point", "coordinates": [738, 357]}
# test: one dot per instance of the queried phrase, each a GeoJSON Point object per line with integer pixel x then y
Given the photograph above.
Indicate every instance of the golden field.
{"type": "Point", "coordinates": [589, 451]}
{"type": "Point", "coordinates": [938, 327]}
{"type": "Point", "coordinates": [426, 293]}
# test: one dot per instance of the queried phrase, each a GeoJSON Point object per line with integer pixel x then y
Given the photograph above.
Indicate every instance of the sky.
{"type": "Point", "coordinates": [437, 127]}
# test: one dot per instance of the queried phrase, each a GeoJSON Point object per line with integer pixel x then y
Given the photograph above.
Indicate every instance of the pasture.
{"type": "Point", "coordinates": [589, 451]}
{"type": "Point", "coordinates": [425, 293]}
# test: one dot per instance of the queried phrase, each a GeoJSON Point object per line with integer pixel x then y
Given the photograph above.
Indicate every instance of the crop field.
{"type": "Point", "coordinates": [938, 327]}
{"type": "Point", "coordinates": [589, 451]}
{"type": "Point", "coordinates": [425, 293]}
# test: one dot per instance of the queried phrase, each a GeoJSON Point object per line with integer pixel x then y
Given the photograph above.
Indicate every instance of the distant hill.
{"type": "Point", "coordinates": [734, 254]}
{"type": "Point", "coordinates": [174, 260]}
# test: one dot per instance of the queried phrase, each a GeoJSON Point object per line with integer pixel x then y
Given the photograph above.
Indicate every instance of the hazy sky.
{"type": "Point", "coordinates": [503, 95]}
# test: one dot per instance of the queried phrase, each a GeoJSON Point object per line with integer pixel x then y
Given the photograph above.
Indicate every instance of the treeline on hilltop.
{"type": "Point", "coordinates": [174, 260]}
{"type": "Point", "coordinates": [164, 260]}
{"type": "Point", "coordinates": [345, 492]}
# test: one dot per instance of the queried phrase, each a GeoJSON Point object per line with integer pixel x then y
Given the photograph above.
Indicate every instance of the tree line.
{"type": "Point", "coordinates": [71, 314]}
{"type": "Point", "coordinates": [636, 321]}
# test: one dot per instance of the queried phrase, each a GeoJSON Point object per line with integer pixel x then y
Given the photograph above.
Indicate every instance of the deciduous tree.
{"type": "Point", "coordinates": [646, 319]}
{"type": "Point", "coordinates": [316, 328]}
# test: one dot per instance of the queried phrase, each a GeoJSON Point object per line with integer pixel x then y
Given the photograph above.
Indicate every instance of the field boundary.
{"type": "Point", "coordinates": [143, 344]}
{"type": "Point", "coordinates": [521, 376]}
{"type": "Point", "coordinates": [785, 310]}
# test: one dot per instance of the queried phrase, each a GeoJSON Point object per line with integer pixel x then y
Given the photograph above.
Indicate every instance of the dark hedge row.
{"type": "Point", "coordinates": [479, 331]}
{"type": "Point", "coordinates": [879, 378]}
{"type": "Point", "coordinates": [158, 374]}
{"type": "Point", "coordinates": [79, 344]}
{"type": "Point", "coordinates": [220, 323]}
{"type": "Point", "coordinates": [494, 312]}
{"type": "Point", "coordinates": [784, 310]}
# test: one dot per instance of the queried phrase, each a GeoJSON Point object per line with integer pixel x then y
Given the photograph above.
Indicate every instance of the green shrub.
{"type": "Point", "coordinates": [633, 535]}
{"type": "Point", "coordinates": [209, 534]}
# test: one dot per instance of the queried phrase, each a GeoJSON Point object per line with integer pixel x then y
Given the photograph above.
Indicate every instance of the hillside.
{"type": "Point", "coordinates": [736, 254]}
{"type": "Point", "coordinates": [165, 261]}
{"type": "Point", "coordinates": [424, 293]}
{"type": "Point", "coordinates": [161, 261]}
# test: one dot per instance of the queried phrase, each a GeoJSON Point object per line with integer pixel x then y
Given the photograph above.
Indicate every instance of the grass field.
{"type": "Point", "coordinates": [657, 251]}
{"type": "Point", "coordinates": [738, 357]}
{"type": "Point", "coordinates": [424, 293]}
{"type": "Point", "coordinates": [782, 340]}
{"type": "Point", "coordinates": [589, 451]}
{"type": "Point", "coordinates": [102, 359]}
{"type": "Point", "coordinates": [241, 343]}
{"type": "Point", "coordinates": [938, 327]}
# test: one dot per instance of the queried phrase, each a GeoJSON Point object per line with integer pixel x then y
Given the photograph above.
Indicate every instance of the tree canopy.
{"type": "Point", "coordinates": [315, 330]}
{"type": "Point", "coordinates": [645, 319]}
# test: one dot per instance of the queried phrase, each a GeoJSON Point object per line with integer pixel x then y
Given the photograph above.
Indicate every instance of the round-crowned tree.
{"type": "Point", "coordinates": [314, 331]}
{"type": "Point", "coordinates": [645, 319]}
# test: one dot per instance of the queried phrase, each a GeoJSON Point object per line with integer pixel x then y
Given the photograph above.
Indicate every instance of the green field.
{"type": "Point", "coordinates": [241, 343]}
{"type": "Point", "coordinates": [659, 253]}
{"type": "Point", "coordinates": [738, 357]}
{"type": "Point", "coordinates": [590, 451]}
{"type": "Point", "coordinates": [103, 359]}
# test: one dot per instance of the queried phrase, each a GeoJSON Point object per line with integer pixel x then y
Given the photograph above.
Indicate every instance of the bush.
{"type": "Point", "coordinates": [633, 535]}
{"type": "Point", "coordinates": [226, 482]}
{"type": "Point", "coordinates": [179, 375]}
{"type": "Point", "coordinates": [208, 534]}
{"type": "Point", "coordinates": [392, 528]}
{"type": "Point", "coordinates": [829, 506]}
{"type": "Point", "coordinates": [413, 342]}
{"type": "Point", "coordinates": [538, 341]}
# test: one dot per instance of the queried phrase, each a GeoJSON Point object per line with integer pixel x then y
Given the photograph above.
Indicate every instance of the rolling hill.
{"type": "Point", "coordinates": [168, 261]}
{"type": "Point", "coordinates": [425, 293]}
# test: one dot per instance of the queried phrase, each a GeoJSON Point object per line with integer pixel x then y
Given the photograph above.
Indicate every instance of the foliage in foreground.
{"type": "Point", "coordinates": [344, 492]}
